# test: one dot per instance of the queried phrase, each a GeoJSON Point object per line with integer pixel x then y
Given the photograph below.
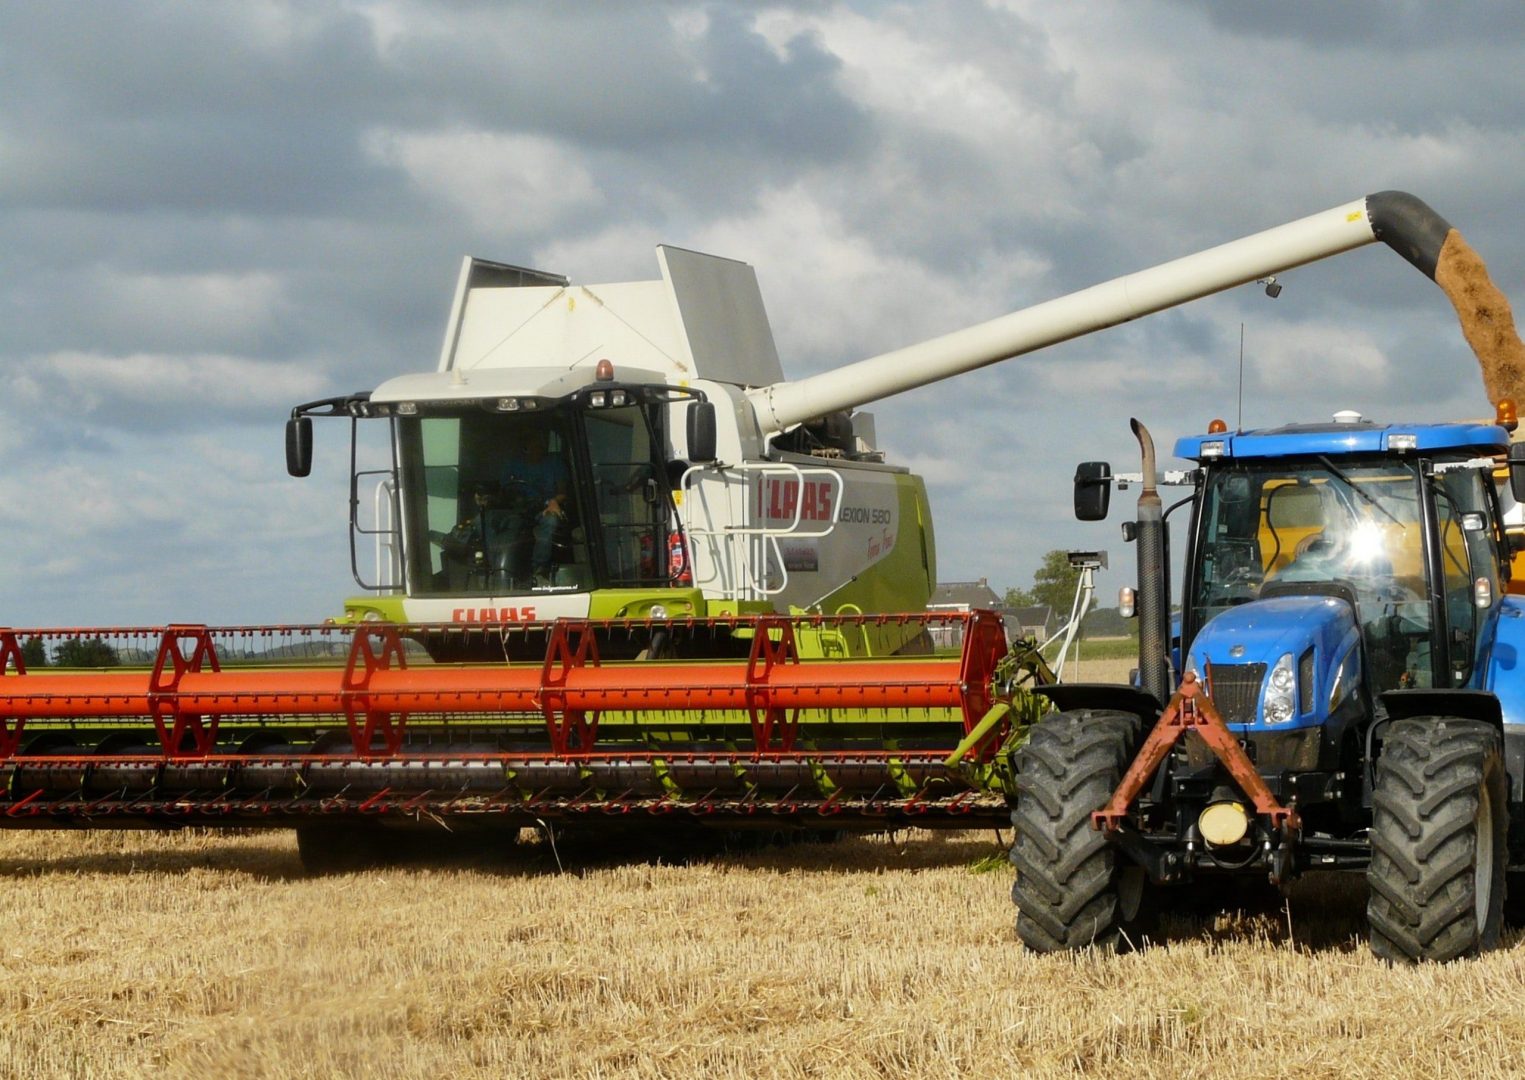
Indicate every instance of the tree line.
{"type": "Point", "coordinates": [70, 652]}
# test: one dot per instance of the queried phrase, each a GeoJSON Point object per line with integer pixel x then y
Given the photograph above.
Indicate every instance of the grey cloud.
{"type": "Point", "coordinates": [217, 142]}
{"type": "Point", "coordinates": [163, 105]}
{"type": "Point", "coordinates": [1381, 23]}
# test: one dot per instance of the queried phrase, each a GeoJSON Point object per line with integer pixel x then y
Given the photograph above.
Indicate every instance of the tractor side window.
{"type": "Point", "coordinates": [1467, 555]}
{"type": "Point", "coordinates": [1233, 562]}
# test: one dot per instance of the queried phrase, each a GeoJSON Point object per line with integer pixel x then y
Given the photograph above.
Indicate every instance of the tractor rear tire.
{"type": "Point", "coordinates": [1074, 888]}
{"type": "Point", "coordinates": [1438, 840]}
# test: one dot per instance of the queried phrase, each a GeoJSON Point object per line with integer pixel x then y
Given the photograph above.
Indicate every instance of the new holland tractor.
{"type": "Point", "coordinates": [626, 574]}
{"type": "Point", "coordinates": [1339, 691]}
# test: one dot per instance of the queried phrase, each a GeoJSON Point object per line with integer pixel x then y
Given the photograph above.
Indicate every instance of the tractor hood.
{"type": "Point", "coordinates": [1308, 637]}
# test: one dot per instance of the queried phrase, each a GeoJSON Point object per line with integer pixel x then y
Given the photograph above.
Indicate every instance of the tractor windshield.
{"type": "Point", "coordinates": [559, 499]}
{"type": "Point", "coordinates": [1348, 528]}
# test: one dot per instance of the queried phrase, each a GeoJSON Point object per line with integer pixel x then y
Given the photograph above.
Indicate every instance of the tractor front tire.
{"type": "Point", "coordinates": [1074, 888]}
{"type": "Point", "coordinates": [1438, 840]}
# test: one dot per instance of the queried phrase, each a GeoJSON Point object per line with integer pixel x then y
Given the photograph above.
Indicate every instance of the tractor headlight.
{"type": "Point", "coordinates": [1277, 707]}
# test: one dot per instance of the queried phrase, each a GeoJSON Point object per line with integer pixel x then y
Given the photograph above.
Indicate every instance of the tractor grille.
{"type": "Point", "coordinates": [1236, 691]}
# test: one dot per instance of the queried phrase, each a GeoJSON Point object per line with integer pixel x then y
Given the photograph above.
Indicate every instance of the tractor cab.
{"type": "Point", "coordinates": [1327, 558]}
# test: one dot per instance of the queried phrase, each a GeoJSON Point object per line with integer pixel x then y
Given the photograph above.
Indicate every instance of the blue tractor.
{"type": "Point", "coordinates": [1340, 688]}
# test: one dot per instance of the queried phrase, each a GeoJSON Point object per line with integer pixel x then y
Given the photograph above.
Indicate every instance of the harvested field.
{"type": "Point", "coordinates": [1099, 671]}
{"type": "Point", "coordinates": [201, 954]}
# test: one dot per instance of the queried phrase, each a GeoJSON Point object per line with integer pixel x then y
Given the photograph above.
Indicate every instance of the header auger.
{"type": "Point", "coordinates": [288, 725]}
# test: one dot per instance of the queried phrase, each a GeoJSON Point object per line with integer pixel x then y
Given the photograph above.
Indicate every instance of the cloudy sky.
{"type": "Point", "coordinates": [211, 211]}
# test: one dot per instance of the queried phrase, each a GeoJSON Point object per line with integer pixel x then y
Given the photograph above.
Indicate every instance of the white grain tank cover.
{"type": "Point", "coordinates": [704, 319]}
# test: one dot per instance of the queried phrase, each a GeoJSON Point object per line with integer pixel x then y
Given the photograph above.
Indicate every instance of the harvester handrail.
{"type": "Point", "coordinates": [744, 549]}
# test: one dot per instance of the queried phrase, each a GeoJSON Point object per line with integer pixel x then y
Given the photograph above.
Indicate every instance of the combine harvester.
{"type": "Point", "coordinates": [624, 572]}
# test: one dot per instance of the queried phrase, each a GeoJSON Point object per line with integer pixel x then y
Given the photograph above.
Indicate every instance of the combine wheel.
{"type": "Point", "coordinates": [1073, 887]}
{"type": "Point", "coordinates": [1438, 841]}
{"type": "Point", "coordinates": [341, 847]}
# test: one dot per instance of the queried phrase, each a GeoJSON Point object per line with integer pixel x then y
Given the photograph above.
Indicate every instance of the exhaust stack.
{"type": "Point", "coordinates": [1153, 577]}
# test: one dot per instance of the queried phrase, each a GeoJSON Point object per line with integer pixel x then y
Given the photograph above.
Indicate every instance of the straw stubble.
{"type": "Point", "coordinates": [201, 954]}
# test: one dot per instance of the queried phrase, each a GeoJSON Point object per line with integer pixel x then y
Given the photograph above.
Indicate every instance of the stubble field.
{"type": "Point", "coordinates": [202, 954]}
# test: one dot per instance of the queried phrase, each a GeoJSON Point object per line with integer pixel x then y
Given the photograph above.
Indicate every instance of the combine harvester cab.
{"type": "Point", "coordinates": [1344, 694]}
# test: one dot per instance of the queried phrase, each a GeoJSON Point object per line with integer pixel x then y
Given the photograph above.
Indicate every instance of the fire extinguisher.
{"type": "Point", "coordinates": [679, 572]}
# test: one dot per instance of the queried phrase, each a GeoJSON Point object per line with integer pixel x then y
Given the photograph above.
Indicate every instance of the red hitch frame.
{"type": "Point", "coordinates": [1192, 709]}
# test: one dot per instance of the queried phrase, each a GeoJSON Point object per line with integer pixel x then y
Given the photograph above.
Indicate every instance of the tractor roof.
{"type": "Point", "coordinates": [1351, 436]}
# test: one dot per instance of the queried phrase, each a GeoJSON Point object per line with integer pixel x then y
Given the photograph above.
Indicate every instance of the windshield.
{"type": "Point", "coordinates": [1352, 528]}
{"type": "Point", "coordinates": [554, 500]}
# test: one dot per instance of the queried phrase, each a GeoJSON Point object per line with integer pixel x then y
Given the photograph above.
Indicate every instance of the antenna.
{"type": "Point", "coordinates": [1239, 426]}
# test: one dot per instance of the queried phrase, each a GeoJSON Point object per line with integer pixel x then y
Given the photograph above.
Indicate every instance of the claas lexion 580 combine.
{"type": "Point", "coordinates": [625, 571]}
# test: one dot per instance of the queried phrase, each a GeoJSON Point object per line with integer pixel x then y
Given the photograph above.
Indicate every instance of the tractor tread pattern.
{"type": "Point", "coordinates": [1065, 890]}
{"type": "Point", "coordinates": [1431, 777]}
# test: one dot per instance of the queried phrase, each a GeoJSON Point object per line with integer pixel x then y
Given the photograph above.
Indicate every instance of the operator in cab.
{"type": "Point", "coordinates": [534, 494]}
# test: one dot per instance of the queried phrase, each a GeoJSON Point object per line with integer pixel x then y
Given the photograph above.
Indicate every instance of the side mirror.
{"type": "Point", "coordinates": [701, 432]}
{"type": "Point", "coordinates": [1517, 471]}
{"type": "Point", "coordinates": [1093, 490]}
{"type": "Point", "coordinates": [299, 445]}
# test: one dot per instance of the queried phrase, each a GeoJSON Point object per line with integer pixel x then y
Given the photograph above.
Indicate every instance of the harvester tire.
{"type": "Point", "coordinates": [341, 847]}
{"type": "Point", "coordinates": [1438, 840]}
{"type": "Point", "coordinates": [1073, 887]}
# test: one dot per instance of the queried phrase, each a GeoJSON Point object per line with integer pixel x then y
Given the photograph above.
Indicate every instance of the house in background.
{"type": "Point", "coordinates": [962, 596]}
{"type": "Point", "coordinates": [1036, 622]}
